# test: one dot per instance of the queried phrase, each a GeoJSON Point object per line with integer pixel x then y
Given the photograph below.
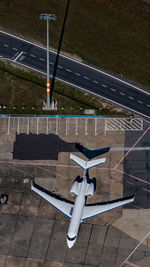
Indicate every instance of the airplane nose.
{"type": "Point", "coordinates": [70, 243]}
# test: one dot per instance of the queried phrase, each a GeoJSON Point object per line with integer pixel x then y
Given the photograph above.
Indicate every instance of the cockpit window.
{"type": "Point", "coordinates": [71, 238]}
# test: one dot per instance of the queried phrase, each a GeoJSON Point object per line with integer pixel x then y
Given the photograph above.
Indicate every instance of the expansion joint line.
{"type": "Point", "coordinates": [132, 176]}
{"type": "Point", "coordinates": [126, 260]}
{"type": "Point", "coordinates": [131, 148]}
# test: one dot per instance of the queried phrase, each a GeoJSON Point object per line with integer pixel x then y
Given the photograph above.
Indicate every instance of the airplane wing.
{"type": "Point", "coordinates": [91, 211]}
{"type": "Point", "coordinates": [63, 206]}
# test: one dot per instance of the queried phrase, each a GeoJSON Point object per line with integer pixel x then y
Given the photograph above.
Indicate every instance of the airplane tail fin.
{"type": "Point", "coordinates": [91, 153]}
{"type": "Point", "coordinates": [86, 164]}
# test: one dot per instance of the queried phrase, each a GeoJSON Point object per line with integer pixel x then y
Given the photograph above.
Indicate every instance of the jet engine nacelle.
{"type": "Point", "coordinates": [75, 189]}
{"type": "Point", "coordinates": [89, 190]}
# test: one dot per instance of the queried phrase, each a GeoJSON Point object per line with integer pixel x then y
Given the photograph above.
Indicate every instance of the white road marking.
{"type": "Point", "coordinates": [28, 125]}
{"type": "Point", "coordinates": [33, 56]}
{"type": "Point", "coordinates": [76, 129]}
{"type": "Point", "coordinates": [18, 56]}
{"type": "Point", "coordinates": [95, 126]}
{"type": "Point", "coordinates": [146, 190]}
{"type": "Point", "coordinates": [81, 63]}
{"type": "Point", "coordinates": [86, 126]}
{"type": "Point", "coordinates": [77, 74]}
{"type": "Point", "coordinates": [130, 183]}
{"type": "Point", "coordinates": [42, 59]}
{"type": "Point", "coordinates": [113, 89]}
{"type": "Point", "coordinates": [86, 78]}
{"type": "Point", "coordinates": [79, 87]}
{"type": "Point", "coordinates": [51, 63]}
{"type": "Point", "coordinates": [5, 45]}
{"type": "Point", "coordinates": [121, 93]}
{"type": "Point", "coordinates": [148, 106]}
{"type": "Point", "coordinates": [68, 70]}
{"type": "Point", "coordinates": [47, 126]}
{"type": "Point", "coordinates": [60, 67]}
{"type": "Point", "coordinates": [18, 125]}
{"type": "Point", "coordinates": [95, 81]}
{"type": "Point", "coordinates": [8, 132]}
{"type": "Point", "coordinates": [131, 97]}
{"type": "Point", "coordinates": [140, 102]}
{"type": "Point", "coordinates": [104, 85]}
{"type": "Point", "coordinates": [14, 48]}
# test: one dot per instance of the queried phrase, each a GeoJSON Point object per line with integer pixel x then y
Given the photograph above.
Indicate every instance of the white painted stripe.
{"type": "Point", "coordinates": [95, 81]}
{"type": "Point", "coordinates": [68, 70]}
{"type": "Point", "coordinates": [42, 59]}
{"type": "Point", "coordinates": [130, 183]}
{"type": "Point", "coordinates": [112, 89]}
{"type": "Point", "coordinates": [81, 88]}
{"type": "Point", "coordinates": [131, 97]}
{"type": "Point", "coordinates": [48, 90]}
{"type": "Point", "coordinates": [14, 48]}
{"type": "Point", "coordinates": [121, 93]}
{"type": "Point", "coordinates": [51, 63]}
{"type": "Point", "coordinates": [18, 56]}
{"type": "Point", "coordinates": [81, 63]}
{"type": "Point", "coordinates": [60, 67]}
{"type": "Point", "coordinates": [5, 45]}
{"type": "Point", "coordinates": [140, 102]}
{"type": "Point", "coordinates": [77, 74]}
{"type": "Point", "coordinates": [104, 85]}
{"type": "Point", "coordinates": [86, 78]}
{"type": "Point", "coordinates": [33, 56]}
{"type": "Point", "coordinates": [146, 190]}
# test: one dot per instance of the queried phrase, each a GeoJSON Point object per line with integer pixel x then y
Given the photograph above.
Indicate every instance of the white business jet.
{"type": "Point", "coordinates": [79, 212]}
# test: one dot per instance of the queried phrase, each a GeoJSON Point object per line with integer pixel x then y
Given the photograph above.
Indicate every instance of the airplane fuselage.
{"type": "Point", "coordinates": [76, 218]}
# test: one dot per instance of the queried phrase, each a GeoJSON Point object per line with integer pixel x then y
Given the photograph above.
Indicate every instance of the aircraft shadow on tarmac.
{"type": "Point", "coordinates": [40, 147]}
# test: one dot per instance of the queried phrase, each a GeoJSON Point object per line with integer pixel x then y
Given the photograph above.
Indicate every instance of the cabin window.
{"type": "Point", "coordinates": [71, 238]}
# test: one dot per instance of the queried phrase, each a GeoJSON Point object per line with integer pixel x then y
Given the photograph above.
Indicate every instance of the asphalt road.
{"type": "Point", "coordinates": [137, 165]}
{"type": "Point", "coordinates": [76, 74]}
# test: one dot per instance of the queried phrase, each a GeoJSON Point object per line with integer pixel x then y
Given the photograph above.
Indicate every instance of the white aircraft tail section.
{"type": "Point", "coordinates": [86, 164]}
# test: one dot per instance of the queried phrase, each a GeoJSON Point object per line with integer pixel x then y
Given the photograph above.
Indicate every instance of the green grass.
{"type": "Point", "coordinates": [20, 88]}
{"type": "Point", "coordinates": [111, 34]}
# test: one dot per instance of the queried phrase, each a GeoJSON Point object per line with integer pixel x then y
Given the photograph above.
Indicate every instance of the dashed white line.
{"type": "Point", "coordinates": [146, 189]}
{"type": "Point", "coordinates": [121, 93]}
{"type": "Point", "coordinates": [95, 81]}
{"type": "Point", "coordinates": [51, 63]}
{"type": "Point", "coordinates": [148, 106]}
{"type": "Point", "coordinates": [68, 70]}
{"type": "Point", "coordinates": [130, 183]}
{"type": "Point", "coordinates": [42, 59]}
{"type": "Point", "coordinates": [86, 78]}
{"type": "Point", "coordinates": [104, 85]}
{"type": "Point", "coordinates": [113, 89]}
{"type": "Point", "coordinates": [140, 102]}
{"type": "Point", "coordinates": [14, 48]}
{"type": "Point", "coordinates": [60, 67]}
{"type": "Point", "coordinates": [5, 45]}
{"type": "Point", "coordinates": [33, 56]}
{"type": "Point", "coordinates": [77, 74]}
{"type": "Point", "coordinates": [131, 97]}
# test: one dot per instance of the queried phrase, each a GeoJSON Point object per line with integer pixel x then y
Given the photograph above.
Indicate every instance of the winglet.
{"type": "Point", "coordinates": [86, 164]}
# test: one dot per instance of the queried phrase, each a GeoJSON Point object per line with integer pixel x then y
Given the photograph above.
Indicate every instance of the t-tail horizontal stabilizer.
{"type": "Point", "coordinates": [91, 153]}
{"type": "Point", "coordinates": [86, 164]}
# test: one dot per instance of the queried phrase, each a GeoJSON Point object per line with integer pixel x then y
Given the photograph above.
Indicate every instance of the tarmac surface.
{"type": "Point", "coordinates": [32, 233]}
